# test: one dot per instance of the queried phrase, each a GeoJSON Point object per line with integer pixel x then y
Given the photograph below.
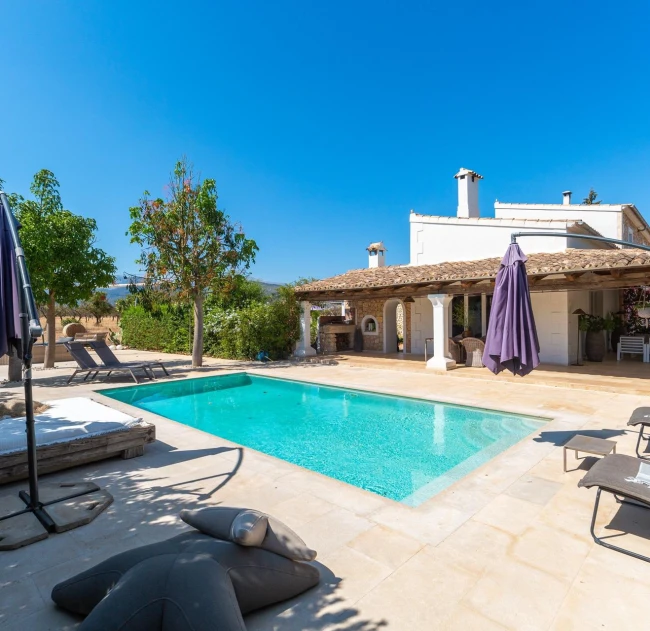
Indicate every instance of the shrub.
{"type": "Point", "coordinates": [166, 328]}
{"type": "Point", "coordinates": [231, 333]}
{"type": "Point", "coordinates": [271, 327]}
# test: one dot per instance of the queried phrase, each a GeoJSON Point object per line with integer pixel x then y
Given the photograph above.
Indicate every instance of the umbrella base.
{"type": "Point", "coordinates": [63, 506]}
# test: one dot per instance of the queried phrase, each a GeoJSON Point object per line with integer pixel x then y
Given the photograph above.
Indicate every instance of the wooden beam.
{"type": "Point", "coordinates": [575, 276]}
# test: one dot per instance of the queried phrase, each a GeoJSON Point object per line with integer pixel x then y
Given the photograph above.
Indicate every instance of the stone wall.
{"type": "Point", "coordinates": [638, 237]}
{"type": "Point", "coordinates": [328, 337]}
{"type": "Point", "coordinates": [375, 308]}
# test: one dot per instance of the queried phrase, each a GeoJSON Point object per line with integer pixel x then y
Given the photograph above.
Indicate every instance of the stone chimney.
{"type": "Point", "coordinates": [376, 254]}
{"type": "Point", "coordinates": [468, 193]}
{"type": "Point", "coordinates": [566, 198]}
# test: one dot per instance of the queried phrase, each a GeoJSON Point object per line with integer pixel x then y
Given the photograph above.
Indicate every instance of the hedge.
{"type": "Point", "coordinates": [269, 327]}
{"type": "Point", "coordinates": [167, 329]}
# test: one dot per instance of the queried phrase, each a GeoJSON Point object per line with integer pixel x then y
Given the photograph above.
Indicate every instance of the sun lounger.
{"type": "Point", "coordinates": [71, 432]}
{"type": "Point", "coordinates": [641, 418]}
{"type": "Point", "coordinates": [609, 474]}
{"type": "Point", "coordinates": [108, 357]}
{"type": "Point", "coordinates": [89, 366]}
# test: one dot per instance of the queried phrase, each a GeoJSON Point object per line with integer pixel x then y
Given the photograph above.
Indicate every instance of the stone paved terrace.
{"type": "Point", "coordinates": [507, 547]}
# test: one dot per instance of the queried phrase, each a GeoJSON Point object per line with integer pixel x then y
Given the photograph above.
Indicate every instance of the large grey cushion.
{"type": "Point", "coordinates": [259, 578]}
{"type": "Point", "coordinates": [249, 528]}
{"type": "Point", "coordinates": [179, 592]}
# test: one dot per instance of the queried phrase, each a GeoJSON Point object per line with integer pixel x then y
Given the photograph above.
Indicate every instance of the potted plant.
{"type": "Point", "coordinates": [595, 327]}
{"type": "Point", "coordinates": [461, 318]}
{"type": "Point", "coordinates": [617, 330]}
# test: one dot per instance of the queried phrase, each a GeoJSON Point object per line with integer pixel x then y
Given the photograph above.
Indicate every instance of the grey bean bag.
{"type": "Point", "coordinates": [183, 592]}
{"type": "Point", "coordinates": [190, 582]}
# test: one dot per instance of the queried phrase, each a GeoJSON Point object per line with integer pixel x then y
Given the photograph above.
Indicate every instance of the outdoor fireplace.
{"type": "Point", "coordinates": [336, 337]}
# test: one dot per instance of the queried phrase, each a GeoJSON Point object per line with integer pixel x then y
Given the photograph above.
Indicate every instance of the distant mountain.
{"type": "Point", "coordinates": [121, 290]}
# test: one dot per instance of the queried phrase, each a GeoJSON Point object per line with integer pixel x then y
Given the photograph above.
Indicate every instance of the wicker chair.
{"type": "Point", "coordinates": [474, 349]}
{"type": "Point", "coordinates": [455, 350]}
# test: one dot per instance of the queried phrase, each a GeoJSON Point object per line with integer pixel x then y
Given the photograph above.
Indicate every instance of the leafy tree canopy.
{"type": "Point", "coordinates": [188, 244]}
{"type": "Point", "coordinates": [63, 262]}
{"type": "Point", "coordinates": [60, 246]}
{"type": "Point", "coordinates": [98, 306]}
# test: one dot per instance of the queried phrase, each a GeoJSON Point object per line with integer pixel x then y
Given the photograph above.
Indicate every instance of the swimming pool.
{"type": "Point", "coordinates": [404, 449]}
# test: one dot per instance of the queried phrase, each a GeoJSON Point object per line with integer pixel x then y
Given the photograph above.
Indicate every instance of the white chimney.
{"type": "Point", "coordinates": [376, 254]}
{"type": "Point", "coordinates": [468, 193]}
{"type": "Point", "coordinates": [566, 198]}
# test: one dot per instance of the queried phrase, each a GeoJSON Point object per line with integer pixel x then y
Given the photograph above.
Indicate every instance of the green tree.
{"type": "Point", "coordinates": [591, 198]}
{"type": "Point", "coordinates": [64, 264]}
{"type": "Point", "coordinates": [188, 244]}
{"type": "Point", "coordinates": [236, 293]}
{"type": "Point", "coordinates": [98, 306]}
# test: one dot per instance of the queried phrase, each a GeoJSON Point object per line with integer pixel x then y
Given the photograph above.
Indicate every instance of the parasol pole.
{"type": "Point", "coordinates": [515, 235]}
{"type": "Point", "coordinates": [31, 330]}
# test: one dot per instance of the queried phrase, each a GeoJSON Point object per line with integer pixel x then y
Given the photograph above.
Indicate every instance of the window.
{"type": "Point", "coordinates": [630, 235]}
{"type": "Point", "coordinates": [369, 326]}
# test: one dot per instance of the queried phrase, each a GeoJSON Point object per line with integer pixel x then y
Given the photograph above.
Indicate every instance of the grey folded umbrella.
{"type": "Point", "coordinates": [9, 302]}
{"type": "Point", "coordinates": [16, 298]}
{"type": "Point", "coordinates": [511, 341]}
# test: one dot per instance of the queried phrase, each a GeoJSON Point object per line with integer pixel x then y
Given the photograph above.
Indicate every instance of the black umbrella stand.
{"type": "Point", "coordinates": [19, 528]}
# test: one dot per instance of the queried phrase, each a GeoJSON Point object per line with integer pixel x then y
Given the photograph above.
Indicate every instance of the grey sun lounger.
{"type": "Point", "coordinates": [609, 475]}
{"type": "Point", "coordinates": [89, 366]}
{"type": "Point", "coordinates": [641, 418]}
{"type": "Point", "coordinates": [108, 358]}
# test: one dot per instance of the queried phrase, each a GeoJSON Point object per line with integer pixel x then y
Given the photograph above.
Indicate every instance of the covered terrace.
{"type": "Point", "coordinates": [590, 279]}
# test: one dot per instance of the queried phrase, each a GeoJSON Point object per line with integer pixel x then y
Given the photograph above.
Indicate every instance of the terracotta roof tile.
{"type": "Point", "coordinates": [484, 269]}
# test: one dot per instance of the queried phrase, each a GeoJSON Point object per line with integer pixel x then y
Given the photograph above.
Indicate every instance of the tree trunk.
{"type": "Point", "coordinates": [197, 345]}
{"type": "Point", "coordinates": [50, 349]}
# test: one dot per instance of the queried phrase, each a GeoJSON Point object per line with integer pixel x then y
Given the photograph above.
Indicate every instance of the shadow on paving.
{"type": "Point", "coordinates": [149, 492]}
{"type": "Point", "coordinates": [319, 609]}
{"type": "Point", "coordinates": [560, 438]}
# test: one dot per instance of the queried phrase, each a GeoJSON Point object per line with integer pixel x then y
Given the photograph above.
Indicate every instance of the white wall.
{"type": "Point", "coordinates": [605, 218]}
{"type": "Point", "coordinates": [455, 239]}
{"type": "Point", "coordinates": [390, 326]}
{"type": "Point", "coordinates": [550, 311]}
{"type": "Point", "coordinates": [576, 300]}
{"type": "Point", "coordinates": [611, 301]}
{"type": "Point", "coordinates": [421, 324]}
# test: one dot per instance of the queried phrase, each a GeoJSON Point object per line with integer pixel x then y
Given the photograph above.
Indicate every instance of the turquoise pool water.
{"type": "Point", "coordinates": [404, 449]}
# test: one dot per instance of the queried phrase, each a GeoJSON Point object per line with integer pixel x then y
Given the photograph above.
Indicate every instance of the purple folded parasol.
{"type": "Point", "coordinates": [511, 341]}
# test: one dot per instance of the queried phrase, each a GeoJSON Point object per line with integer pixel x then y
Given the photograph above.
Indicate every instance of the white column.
{"type": "Point", "coordinates": [440, 359]}
{"type": "Point", "coordinates": [484, 314]}
{"type": "Point", "coordinates": [303, 347]}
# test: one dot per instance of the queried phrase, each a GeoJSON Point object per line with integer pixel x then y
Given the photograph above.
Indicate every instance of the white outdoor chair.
{"type": "Point", "coordinates": [632, 345]}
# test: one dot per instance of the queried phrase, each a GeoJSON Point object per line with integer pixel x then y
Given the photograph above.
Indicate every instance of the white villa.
{"type": "Point", "coordinates": [456, 259]}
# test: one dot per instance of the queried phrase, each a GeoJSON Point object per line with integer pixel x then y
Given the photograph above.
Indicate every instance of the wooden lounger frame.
{"type": "Point", "coordinates": [128, 443]}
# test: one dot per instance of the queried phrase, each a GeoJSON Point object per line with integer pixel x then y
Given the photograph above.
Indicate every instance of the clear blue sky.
{"type": "Point", "coordinates": [324, 123]}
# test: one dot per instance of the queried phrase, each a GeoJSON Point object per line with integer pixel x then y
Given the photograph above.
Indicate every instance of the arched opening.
{"type": "Point", "coordinates": [394, 326]}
